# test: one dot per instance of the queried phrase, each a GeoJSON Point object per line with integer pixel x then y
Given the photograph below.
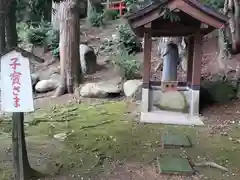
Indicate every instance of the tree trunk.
{"type": "Point", "coordinates": [11, 30]}
{"type": "Point", "coordinates": [2, 26]}
{"type": "Point", "coordinates": [55, 15]}
{"type": "Point", "coordinates": [47, 10]}
{"type": "Point", "coordinates": [182, 47]}
{"type": "Point", "coordinates": [231, 9]}
{"type": "Point", "coordinates": [71, 74]}
{"type": "Point", "coordinates": [89, 8]}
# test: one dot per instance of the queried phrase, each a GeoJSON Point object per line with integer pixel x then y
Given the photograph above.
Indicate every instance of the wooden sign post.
{"type": "Point", "coordinates": [16, 97]}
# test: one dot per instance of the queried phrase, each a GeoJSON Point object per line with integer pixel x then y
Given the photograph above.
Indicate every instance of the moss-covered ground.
{"type": "Point", "coordinates": [99, 135]}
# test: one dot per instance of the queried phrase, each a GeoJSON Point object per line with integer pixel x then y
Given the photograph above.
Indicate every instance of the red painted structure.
{"type": "Point", "coordinates": [118, 5]}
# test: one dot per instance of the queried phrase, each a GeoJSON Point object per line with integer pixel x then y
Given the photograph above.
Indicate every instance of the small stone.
{"type": "Point", "coordinates": [224, 133]}
{"type": "Point", "coordinates": [60, 136]}
{"type": "Point", "coordinates": [238, 140]}
{"type": "Point", "coordinates": [230, 139]}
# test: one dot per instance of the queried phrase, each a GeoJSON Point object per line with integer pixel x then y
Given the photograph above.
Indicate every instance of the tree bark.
{"type": "Point", "coordinates": [55, 15]}
{"type": "Point", "coordinates": [10, 22]}
{"type": "Point", "coordinates": [2, 26]}
{"type": "Point", "coordinates": [231, 9]}
{"type": "Point", "coordinates": [182, 47]}
{"type": "Point", "coordinates": [71, 74]}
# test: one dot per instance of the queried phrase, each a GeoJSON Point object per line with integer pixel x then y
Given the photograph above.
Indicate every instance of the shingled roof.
{"type": "Point", "coordinates": [192, 14]}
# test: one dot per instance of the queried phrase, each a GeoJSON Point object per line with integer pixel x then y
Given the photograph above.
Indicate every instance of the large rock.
{"type": "Point", "coordinates": [216, 92]}
{"type": "Point", "coordinates": [46, 85]}
{"type": "Point", "coordinates": [100, 90]}
{"type": "Point", "coordinates": [133, 88]}
{"type": "Point", "coordinates": [35, 79]}
{"type": "Point", "coordinates": [88, 59]}
{"type": "Point", "coordinates": [173, 100]}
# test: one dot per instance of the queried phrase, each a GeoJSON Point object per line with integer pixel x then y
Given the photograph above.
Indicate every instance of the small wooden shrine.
{"type": "Point", "coordinates": [195, 21]}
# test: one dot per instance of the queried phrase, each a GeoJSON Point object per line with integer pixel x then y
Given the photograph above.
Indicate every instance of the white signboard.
{"type": "Point", "coordinates": [16, 84]}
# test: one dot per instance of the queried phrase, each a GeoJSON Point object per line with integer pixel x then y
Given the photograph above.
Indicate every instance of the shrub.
{"type": "Point", "coordinates": [36, 36]}
{"type": "Point", "coordinates": [37, 33]}
{"type": "Point", "coordinates": [53, 42]}
{"type": "Point", "coordinates": [128, 41]}
{"type": "Point", "coordinates": [110, 14]}
{"type": "Point", "coordinates": [127, 65]}
{"type": "Point", "coordinates": [96, 18]}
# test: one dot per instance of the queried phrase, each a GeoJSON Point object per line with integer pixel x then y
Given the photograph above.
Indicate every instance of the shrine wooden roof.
{"type": "Point", "coordinates": [194, 16]}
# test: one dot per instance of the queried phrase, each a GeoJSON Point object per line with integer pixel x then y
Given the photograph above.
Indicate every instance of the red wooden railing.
{"type": "Point", "coordinates": [117, 5]}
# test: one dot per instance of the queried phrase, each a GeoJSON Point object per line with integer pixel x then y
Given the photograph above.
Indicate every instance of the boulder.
{"type": "Point", "coordinates": [173, 100]}
{"type": "Point", "coordinates": [88, 59]}
{"type": "Point", "coordinates": [100, 90]}
{"type": "Point", "coordinates": [46, 85]}
{"type": "Point", "coordinates": [216, 92]}
{"type": "Point", "coordinates": [35, 79]}
{"type": "Point", "coordinates": [133, 89]}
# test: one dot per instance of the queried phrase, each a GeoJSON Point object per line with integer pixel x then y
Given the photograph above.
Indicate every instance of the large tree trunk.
{"type": "Point", "coordinates": [2, 26]}
{"type": "Point", "coordinates": [55, 15]}
{"type": "Point", "coordinates": [182, 48]}
{"type": "Point", "coordinates": [71, 74]}
{"type": "Point", "coordinates": [231, 9]}
{"type": "Point", "coordinates": [47, 11]}
{"type": "Point", "coordinates": [11, 30]}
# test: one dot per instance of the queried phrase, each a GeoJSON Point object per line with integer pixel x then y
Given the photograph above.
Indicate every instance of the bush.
{"type": "Point", "coordinates": [128, 41]}
{"type": "Point", "coordinates": [127, 65]}
{"type": "Point", "coordinates": [37, 33]}
{"type": "Point", "coordinates": [110, 14]}
{"type": "Point", "coordinates": [53, 42]}
{"type": "Point", "coordinates": [36, 36]}
{"type": "Point", "coordinates": [96, 18]}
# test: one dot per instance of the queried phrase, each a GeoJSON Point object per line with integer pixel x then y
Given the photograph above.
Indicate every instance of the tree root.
{"type": "Point", "coordinates": [61, 90]}
{"type": "Point", "coordinates": [210, 164]}
{"type": "Point", "coordinates": [96, 125]}
{"type": "Point", "coordinates": [159, 66]}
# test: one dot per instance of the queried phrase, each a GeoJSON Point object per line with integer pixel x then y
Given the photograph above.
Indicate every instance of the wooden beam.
{"type": "Point", "coordinates": [153, 15]}
{"type": "Point", "coordinates": [197, 59]}
{"type": "Point", "coordinates": [147, 70]}
{"type": "Point", "coordinates": [147, 48]}
{"type": "Point", "coordinates": [190, 60]}
{"type": "Point", "coordinates": [197, 14]}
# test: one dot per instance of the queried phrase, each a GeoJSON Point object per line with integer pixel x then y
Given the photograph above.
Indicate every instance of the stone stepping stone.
{"type": "Point", "coordinates": [174, 166]}
{"type": "Point", "coordinates": [175, 140]}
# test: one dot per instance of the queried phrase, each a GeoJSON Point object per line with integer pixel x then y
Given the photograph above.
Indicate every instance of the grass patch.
{"type": "Point", "coordinates": [101, 134]}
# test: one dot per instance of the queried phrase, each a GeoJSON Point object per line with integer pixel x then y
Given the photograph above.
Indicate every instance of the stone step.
{"type": "Point", "coordinates": [174, 165]}
{"type": "Point", "coordinates": [175, 140]}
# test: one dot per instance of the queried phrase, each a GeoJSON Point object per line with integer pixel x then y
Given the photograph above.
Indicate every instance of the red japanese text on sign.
{"type": "Point", "coordinates": [16, 84]}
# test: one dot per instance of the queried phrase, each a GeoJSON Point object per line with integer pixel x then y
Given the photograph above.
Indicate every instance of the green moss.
{"type": "Point", "coordinates": [102, 134]}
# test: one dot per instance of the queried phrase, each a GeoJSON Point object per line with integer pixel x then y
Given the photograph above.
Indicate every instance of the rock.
{"type": "Point", "coordinates": [173, 100]}
{"type": "Point", "coordinates": [88, 59]}
{"type": "Point", "coordinates": [216, 92]}
{"type": "Point", "coordinates": [60, 136]}
{"type": "Point", "coordinates": [46, 85]}
{"type": "Point", "coordinates": [132, 87]}
{"type": "Point", "coordinates": [100, 90]}
{"type": "Point", "coordinates": [35, 79]}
